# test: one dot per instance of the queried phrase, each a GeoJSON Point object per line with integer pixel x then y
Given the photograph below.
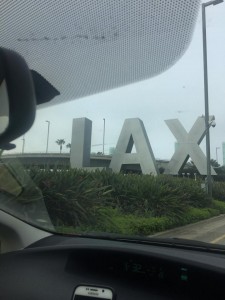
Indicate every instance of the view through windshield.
{"type": "Point", "coordinates": [131, 160]}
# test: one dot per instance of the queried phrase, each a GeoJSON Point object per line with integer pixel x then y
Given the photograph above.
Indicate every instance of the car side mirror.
{"type": "Point", "coordinates": [17, 97]}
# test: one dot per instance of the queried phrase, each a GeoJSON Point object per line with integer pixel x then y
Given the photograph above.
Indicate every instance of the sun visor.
{"type": "Point", "coordinates": [87, 47]}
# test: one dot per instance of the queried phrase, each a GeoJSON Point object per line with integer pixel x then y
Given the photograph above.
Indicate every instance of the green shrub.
{"type": "Point", "coordinates": [191, 190]}
{"type": "Point", "coordinates": [149, 226]}
{"type": "Point", "coordinates": [145, 194]}
{"type": "Point", "coordinates": [142, 226]}
{"type": "Point", "coordinates": [129, 204]}
{"type": "Point", "coordinates": [219, 191]}
{"type": "Point", "coordinates": [197, 214]}
{"type": "Point", "coordinates": [219, 205]}
{"type": "Point", "coordinates": [72, 198]}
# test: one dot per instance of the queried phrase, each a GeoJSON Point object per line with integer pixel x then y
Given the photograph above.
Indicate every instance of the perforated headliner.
{"type": "Point", "coordinates": [86, 46]}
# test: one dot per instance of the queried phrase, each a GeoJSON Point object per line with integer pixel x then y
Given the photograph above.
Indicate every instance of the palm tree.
{"type": "Point", "coordinates": [60, 142]}
{"type": "Point", "coordinates": [68, 146]}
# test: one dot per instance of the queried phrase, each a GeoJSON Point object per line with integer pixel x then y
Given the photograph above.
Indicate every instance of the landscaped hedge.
{"type": "Point", "coordinates": [136, 225]}
{"type": "Point", "coordinates": [219, 190]}
{"type": "Point", "coordinates": [78, 200]}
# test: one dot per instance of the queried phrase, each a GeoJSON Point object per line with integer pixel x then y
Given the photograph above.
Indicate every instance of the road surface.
{"type": "Point", "coordinates": [210, 231]}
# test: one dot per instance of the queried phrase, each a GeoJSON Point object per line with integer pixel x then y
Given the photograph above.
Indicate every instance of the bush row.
{"type": "Point", "coordinates": [136, 225]}
{"type": "Point", "coordinates": [131, 204]}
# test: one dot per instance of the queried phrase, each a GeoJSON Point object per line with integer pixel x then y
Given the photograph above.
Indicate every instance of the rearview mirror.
{"type": "Point", "coordinates": [17, 97]}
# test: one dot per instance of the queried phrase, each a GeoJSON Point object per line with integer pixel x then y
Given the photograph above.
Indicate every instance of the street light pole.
{"type": "Point", "coordinates": [23, 146]}
{"type": "Point", "coordinates": [217, 153]}
{"type": "Point", "coordinates": [103, 144]}
{"type": "Point", "coordinates": [47, 135]}
{"type": "Point", "coordinates": [205, 66]}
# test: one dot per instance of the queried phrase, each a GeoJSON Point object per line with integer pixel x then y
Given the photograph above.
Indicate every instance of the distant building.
{"type": "Point", "coordinates": [223, 149]}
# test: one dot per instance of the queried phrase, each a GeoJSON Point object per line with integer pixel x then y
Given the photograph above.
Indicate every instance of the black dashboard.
{"type": "Point", "coordinates": [54, 266]}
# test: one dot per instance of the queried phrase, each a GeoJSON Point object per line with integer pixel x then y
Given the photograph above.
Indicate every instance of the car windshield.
{"type": "Point", "coordinates": [133, 142]}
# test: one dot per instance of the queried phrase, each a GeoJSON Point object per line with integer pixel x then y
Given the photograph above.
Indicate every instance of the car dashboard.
{"type": "Point", "coordinates": [53, 267]}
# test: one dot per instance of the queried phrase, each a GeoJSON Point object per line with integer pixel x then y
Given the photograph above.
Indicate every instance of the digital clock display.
{"type": "Point", "coordinates": [148, 269]}
{"type": "Point", "coordinates": [136, 268]}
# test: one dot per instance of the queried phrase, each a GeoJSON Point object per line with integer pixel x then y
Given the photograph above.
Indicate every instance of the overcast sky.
{"type": "Point", "coordinates": [176, 93]}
